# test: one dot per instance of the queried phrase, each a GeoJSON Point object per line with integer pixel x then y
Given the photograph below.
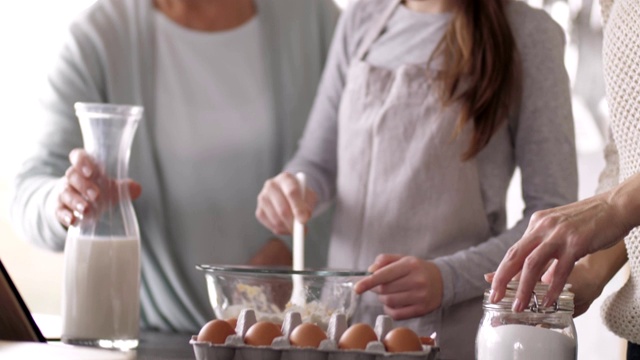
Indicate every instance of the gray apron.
{"type": "Point", "coordinates": [402, 187]}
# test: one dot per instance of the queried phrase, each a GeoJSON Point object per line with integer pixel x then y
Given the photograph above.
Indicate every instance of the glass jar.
{"type": "Point", "coordinates": [536, 333]}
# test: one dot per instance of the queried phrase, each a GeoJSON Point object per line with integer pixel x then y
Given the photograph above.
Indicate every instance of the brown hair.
{"type": "Point", "coordinates": [479, 46]}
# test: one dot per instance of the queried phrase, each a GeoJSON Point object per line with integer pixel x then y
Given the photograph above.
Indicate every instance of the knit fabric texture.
{"type": "Point", "coordinates": [621, 51]}
{"type": "Point", "coordinates": [606, 9]}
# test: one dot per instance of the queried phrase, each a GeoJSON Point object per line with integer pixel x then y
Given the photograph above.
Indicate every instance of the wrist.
{"type": "Point", "coordinates": [625, 202]}
{"type": "Point", "coordinates": [437, 283]}
{"type": "Point", "coordinates": [447, 274]}
{"type": "Point", "coordinates": [600, 267]}
{"type": "Point", "coordinates": [588, 273]}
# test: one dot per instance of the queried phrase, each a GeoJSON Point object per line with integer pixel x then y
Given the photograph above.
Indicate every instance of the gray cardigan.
{"type": "Point", "coordinates": [109, 57]}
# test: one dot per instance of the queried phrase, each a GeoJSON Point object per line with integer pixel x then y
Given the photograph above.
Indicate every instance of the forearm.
{"type": "Point", "coordinates": [603, 265]}
{"type": "Point", "coordinates": [625, 202]}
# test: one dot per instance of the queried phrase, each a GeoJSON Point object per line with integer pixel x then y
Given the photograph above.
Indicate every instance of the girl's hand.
{"type": "Point", "coordinates": [281, 200]}
{"type": "Point", "coordinates": [78, 189]}
{"type": "Point", "coordinates": [407, 286]}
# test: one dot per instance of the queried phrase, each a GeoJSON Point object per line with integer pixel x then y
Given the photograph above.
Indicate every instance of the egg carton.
{"type": "Point", "coordinates": [234, 347]}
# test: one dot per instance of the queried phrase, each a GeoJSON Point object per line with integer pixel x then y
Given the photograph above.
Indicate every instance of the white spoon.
{"type": "Point", "coordinates": [298, 297]}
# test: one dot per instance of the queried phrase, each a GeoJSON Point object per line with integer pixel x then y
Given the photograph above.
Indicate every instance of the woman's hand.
{"type": "Point", "coordinates": [78, 189]}
{"type": "Point", "coordinates": [281, 200]}
{"type": "Point", "coordinates": [591, 274]}
{"type": "Point", "coordinates": [407, 286]}
{"type": "Point", "coordinates": [583, 285]}
{"type": "Point", "coordinates": [564, 235]}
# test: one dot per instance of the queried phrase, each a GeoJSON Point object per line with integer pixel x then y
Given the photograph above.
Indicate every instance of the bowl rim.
{"type": "Point", "coordinates": [278, 270]}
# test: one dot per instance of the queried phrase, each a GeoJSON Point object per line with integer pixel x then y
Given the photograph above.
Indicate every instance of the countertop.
{"type": "Point", "coordinates": [164, 346]}
{"type": "Point", "coordinates": [153, 345]}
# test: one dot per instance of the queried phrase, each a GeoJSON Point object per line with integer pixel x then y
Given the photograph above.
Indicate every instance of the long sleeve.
{"type": "Point", "coordinates": [317, 152]}
{"type": "Point", "coordinates": [74, 77]}
{"type": "Point", "coordinates": [544, 148]}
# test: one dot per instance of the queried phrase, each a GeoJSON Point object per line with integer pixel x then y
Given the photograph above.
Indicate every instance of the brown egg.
{"type": "Point", "coordinates": [402, 339]}
{"type": "Point", "coordinates": [233, 322]}
{"type": "Point", "coordinates": [357, 336]}
{"type": "Point", "coordinates": [307, 335]}
{"type": "Point", "coordinates": [215, 331]}
{"type": "Point", "coordinates": [427, 340]}
{"type": "Point", "coordinates": [262, 333]}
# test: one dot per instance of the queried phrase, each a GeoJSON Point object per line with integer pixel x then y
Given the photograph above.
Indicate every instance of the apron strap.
{"type": "Point", "coordinates": [376, 30]}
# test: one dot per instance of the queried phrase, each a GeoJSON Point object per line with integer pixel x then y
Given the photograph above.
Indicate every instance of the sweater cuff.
{"type": "Point", "coordinates": [448, 281]}
{"type": "Point", "coordinates": [50, 206]}
{"type": "Point", "coordinates": [316, 185]}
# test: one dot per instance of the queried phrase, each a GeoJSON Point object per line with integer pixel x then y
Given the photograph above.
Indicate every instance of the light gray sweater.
{"type": "Point", "coordinates": [109, 57]}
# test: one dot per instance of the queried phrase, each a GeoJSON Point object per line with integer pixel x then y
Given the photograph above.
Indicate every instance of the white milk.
{"type": "Point", "coordinates": [524, 342]}
{"type": "Point", "coordinates": [102, 283]}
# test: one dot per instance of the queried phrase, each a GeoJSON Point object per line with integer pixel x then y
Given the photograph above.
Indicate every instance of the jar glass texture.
{"type": "Point", "coordinates": [536, 333]}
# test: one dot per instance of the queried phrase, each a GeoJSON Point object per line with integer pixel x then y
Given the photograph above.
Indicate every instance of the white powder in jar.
{"type": "Point", "coordinates": [524, 342]}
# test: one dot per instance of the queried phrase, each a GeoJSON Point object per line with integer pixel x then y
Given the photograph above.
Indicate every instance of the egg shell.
{"type": "Point", "coordinates": [262, 333]}
{"type": "Point", "coordinates": [307, 335]}
{"type": "Point", "coordinates": [234, 347]}
{"type": "Point", "coordinates": [233, 322]}
{"type": "Point", "coordinates": [402, 339]}
{"type": "Point", "coordinates": [357, 336]}
{"type": "Point", "coordinates": [215, 331]}
{"type": "Point", "coordinates": [427, 340]}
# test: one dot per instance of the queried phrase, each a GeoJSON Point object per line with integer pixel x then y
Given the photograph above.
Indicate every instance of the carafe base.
{"type": "Point", "coordinates": [113, 344]}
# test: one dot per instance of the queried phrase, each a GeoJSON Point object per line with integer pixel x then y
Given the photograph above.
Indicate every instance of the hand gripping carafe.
{"type": "Point", "coordinates": [101, 301]}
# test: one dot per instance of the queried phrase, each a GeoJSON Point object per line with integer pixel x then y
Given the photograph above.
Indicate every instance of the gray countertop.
{"type": "Point", "coordinates": [164, 346]}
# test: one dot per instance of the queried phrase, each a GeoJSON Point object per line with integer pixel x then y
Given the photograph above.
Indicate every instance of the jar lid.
{"type": "Point", "coordinates": [564, 303]}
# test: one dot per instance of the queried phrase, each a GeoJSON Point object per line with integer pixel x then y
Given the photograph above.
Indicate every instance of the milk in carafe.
{"type": "Point", "coordinates": [103, 276]}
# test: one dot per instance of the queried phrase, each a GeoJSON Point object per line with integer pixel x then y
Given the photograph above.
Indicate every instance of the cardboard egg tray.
{"type": "Point", "coordinates": [234, 347]}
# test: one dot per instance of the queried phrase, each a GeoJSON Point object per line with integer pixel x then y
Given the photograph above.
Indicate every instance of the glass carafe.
{"type": "Point", "coordinates": [536, 333]}
{"type": "Point", "coordinates": [101, 303]}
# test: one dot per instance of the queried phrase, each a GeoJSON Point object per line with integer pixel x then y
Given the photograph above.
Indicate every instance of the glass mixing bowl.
{"type": "Point", "coordinates": [269, 291]}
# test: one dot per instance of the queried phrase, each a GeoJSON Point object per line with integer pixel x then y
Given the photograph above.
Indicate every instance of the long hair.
{"type": "Point", "coordinates": [479, 47]}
